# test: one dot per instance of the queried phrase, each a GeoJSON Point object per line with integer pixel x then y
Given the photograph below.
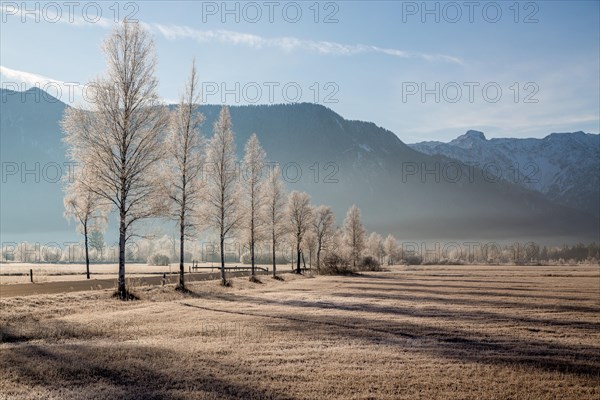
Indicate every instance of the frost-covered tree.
{"type": "Point", "coordinates": [275, 200]}
{"type": "Point", "coordinates": [300, 217]}
{"type": "Point", "coordinates": [252, 200]}
{"type": "Point", "coordinates": [182, 177]}
{"type": "Point", "coordinates": [8, 253]}
{"type": "Point", "coordinates": [221, 210]}
{"type": "Point", "coordinates": [323, 226]}
{"type": "Point", "coordinates": [117, 141]}
{"type": "Point", "coordinates": [310, 243]}
{"type": "Point", "coordinates": [391, 249]}
{"type": "Point", "coordinates": [354, 234]}
{"type": "Point", "coordinates": [375, 246]}
{"type": "Point", "coordinates": [88, 209]}
{"type": "Point", "coordinates": [337, 241]}
{"type": "Point", "coordinates": [96, 239]}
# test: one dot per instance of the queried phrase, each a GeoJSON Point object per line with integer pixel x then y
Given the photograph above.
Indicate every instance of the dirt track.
{"type": "Point", "coordinates": [29, 289]}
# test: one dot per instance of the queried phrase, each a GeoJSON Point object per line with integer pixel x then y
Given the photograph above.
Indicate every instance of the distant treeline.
{"type": "Point", "coordinates": [393, 252]}
{"type": "Point", "coordinates": [578, 253]}
{"type": "Point", "coordinates": [519, 253]}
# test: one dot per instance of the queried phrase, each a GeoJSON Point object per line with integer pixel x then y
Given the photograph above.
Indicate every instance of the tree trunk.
{"type": "Point", "coordinates": [252, 270]}
{"type": "Point", "coordinates": [319, 259]}
{"type": "Point", "coordinates": [252, 251]}
{"type": "Point", "coordinates": [87, 254]}
{"type": "Point", "coordinates": [298, 257]}
{"type": "Point", "coordinates": [181, 253]}
{"type": "Point", "coordinates": [122, 291]}
{"type": "Point", "coordinates": [273, 249]}
{"type": "Point", "coordinates": [223, 280]}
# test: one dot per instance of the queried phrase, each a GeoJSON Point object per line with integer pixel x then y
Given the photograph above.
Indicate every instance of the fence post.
{"type": "Point", "coordinates": [31, 275]}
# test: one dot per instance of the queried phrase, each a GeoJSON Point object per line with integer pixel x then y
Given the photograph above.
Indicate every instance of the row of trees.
{"type": "Point", "coordinates": [166, 247]}
{"type": "Point", "coordinates": [144, 161]}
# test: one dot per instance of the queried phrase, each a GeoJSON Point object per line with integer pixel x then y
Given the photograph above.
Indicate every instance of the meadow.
{"type": "Point", "coordinates": [442, 332]}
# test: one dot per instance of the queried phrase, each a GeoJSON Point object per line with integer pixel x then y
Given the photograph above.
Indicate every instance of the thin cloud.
{"type": "Point", "coordinates": [173, 32]}
{"type": "Point", "coordinates": [27, 77]}
{"type": "Point", "coordinates": [67, 92]}
{"type": "Point", "coordinates": [71, 93]}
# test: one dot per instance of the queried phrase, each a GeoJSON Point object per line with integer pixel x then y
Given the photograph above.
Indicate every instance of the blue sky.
{"type": "Point", "coordinates": [374, 62]}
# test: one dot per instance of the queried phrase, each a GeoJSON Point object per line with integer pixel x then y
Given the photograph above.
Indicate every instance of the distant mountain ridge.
{"type": "Point", "coordinates": [338, 161]}
{"type": "Point", "coordinates": [565, 167]}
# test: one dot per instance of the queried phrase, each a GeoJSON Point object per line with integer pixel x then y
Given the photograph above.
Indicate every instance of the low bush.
{"type": "Point", "coordinates": [263, 259]}
{"type": "Point", "coordinates": [159, 260]}
{"type": "Point", "coordinates": [334, 264]}
{"type": "Point", "coordinates": [413, 260]}
{"type": "Point", "coordinates": [444, 261]}
{"type": "Point", "coordinates": [369, 263]}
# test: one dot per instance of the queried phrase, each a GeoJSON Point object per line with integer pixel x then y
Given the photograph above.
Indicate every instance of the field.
{"type": "Point", "coordinates": [444, 332]}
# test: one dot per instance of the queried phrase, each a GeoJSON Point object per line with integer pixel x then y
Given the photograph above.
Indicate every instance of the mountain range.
{"type": "Point", "coordinates": [565, 167]}
{"type": "Point", "coordinates": [410, 191]}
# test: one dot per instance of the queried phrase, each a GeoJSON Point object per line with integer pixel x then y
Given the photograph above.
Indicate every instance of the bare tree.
{"type": "Point", "coordinates": [300, 216]}
{"type": "Point", "coordinates": [88, 209]}
{"type": "Point", "coordinates": [375, 246]}
{"type": "Point", "coordinates": [391, 248]}
{"type": "Point", "coordinates": [337, 241]}
{"type": "Point", "coordinates": [253, 195]}
{"type": "Point", "coordinates": [310, 242]}
{"type": "Point", "coordinates": [222, 194]}
{"type": "Point", "coordinates": [183, 167]}
{"type": "Point", "coordinates": [275, 196]}
{"type": "Point", "coordinates": [324, 229]}
{"type": "Point", "coordinates": [118, 140]}
{"type": "Point", "coordinates": [96, 241]}
{"type": "Point", "coordinates": [354, 234]}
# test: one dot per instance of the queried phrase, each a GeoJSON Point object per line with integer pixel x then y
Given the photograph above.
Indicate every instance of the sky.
{"type": "Point", "coordinates": [424, 70]}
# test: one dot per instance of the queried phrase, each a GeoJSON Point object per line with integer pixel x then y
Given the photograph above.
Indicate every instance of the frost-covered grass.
{"type": "Point", "coordinates": [463, 332]}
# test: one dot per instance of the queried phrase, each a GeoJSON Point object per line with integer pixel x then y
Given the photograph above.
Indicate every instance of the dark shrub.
{"type": "Point", "coordinates": [369, 263]}
{"type": "Point", "coordinates": [334, 264]}
{"type": "Point", "coordinates": [413, 260]}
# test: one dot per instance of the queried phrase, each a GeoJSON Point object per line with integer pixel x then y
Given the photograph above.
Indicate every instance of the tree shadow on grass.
{"type": "Point", "coordinates": [53, 330]}
{"type": "Point", "coordinates": [124, 371]}
{"type": "Point", "coordinates": [489, 290]}
{"type": "Point", "coordinates": [374, 294]}
{"type": "Point", "coordinates": [391, 293]}
{"type": "Point", "coordinates": [449, 282]}
{"type": "Point", "coordinates": [471, 315]}
{"type": "Point", "coordinates": [458, 344]}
